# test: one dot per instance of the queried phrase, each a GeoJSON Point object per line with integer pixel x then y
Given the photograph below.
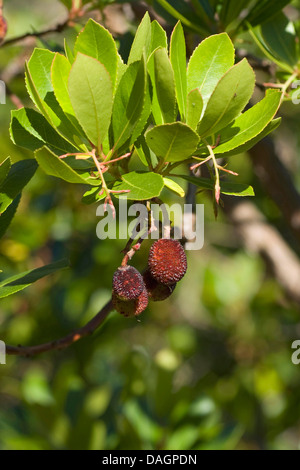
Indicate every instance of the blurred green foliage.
{"type": "Point", "coordinates": [208, 369]}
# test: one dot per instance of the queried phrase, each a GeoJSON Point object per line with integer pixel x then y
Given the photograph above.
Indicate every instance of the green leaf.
{"type": "Point", "coordinates": [164, 85]}
{"type": "Point", "coordinates": [250, 124]}
{"type": "Point", "coordinates": [129, 103]}
{"type": "Point", "coordinates": [96, 41]}
{"type": "Point", "coordinates": [228, 188]}
{"type": "Point", "coordinates": [178, 61]}
{"type": "Point", "coordinates": [29, 129]}
{"type": "Point", "coordinates": [91, 95]}
{"type": "Point", "coordinates": [231, 11]}
{"type": "Point", "coordinates": [19, 282]}
{"type": "Point", "coordinates": [39, 69]}
{"type": "Point", "coordinates": [271, 127]}
{"type": "Point", "coordinates": [4, 169]}
{"type": "Point", "coordinates": [209, 62]}
{"type": "Point", "coordinates": [236, 189]}
{"type": "Point", "coordinates": [19, 175]}
{"type": "Point", "coordinates": [265, 10]}
{"type": "Point", "coordinates": [142, 40]}
{"type": "Point", "coordinates": [68, 52]}
{"type": "Point", "coordinates": [120, 71]}
{"type": "Point", "coordinates": [158, 37]}
{"type": "Point", "coordinates": [174, 187]}
{"type": "Point", "coordinates": [92, 195]}
{"type": "Point", "coordinates": [194, 107]}
{"type": "Point", "coordinates": [142, 186]}
{"type": "Point", "coordinates": [40, 89]}
{"type": "Point", "coordinates": [8, 215]}
{"type": "Point", "coordinates": [172, 142]}
{"type": "Point", "coordinates": [147, 157]}
{"type": "Point", "coordinates": [55, 166]}
{"type": "Point", "coordinates": [181, 14]}
{"type": "Point", "coordinates": [280, 37]}
{"type": "Point", "coordinates": [229, 98]}
{"type": "Point", "coordinates": [60, 71]}
{"type": "Point", "coordinates": [142, 122]}
{"type": "Point", "coordinates": [256, 36]}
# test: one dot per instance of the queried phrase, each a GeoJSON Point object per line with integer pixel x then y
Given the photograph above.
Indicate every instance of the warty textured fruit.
{"type": "Point", "coordinates": [128, 283]}
{"type": "Point", "coordinates": [167, 261]}
{"type": "Point", "coordinates": [131, 308]}
{"type": "Point", "coordinates": [157, 291]}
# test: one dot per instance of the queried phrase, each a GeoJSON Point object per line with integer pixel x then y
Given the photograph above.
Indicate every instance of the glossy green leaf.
{"type": "Point", "coordinates": [145, 154]}
{"type": "Point", "coordinates": [236, 189]}
{"type": "Point", "coordinates": [158, 37]}
{"type": "Point", "coordinates": [209, 62]}
{"type": "Point", "coordinates": [164, 85]}
{"type": "Point", "coordinates": [19, 282]}
{"type": "Point", "coordinates": [4, 169]}
{"type": "Point", "coordinates": [142, 186]}
{"type": "Point", "coordinates": [39, 86]}
{"type": "Point", "coordinates": [174, 187]}
{"type": "Point", "coordinates": [228, 188]}
{"type": "Point", "coordinates": [142, 122]}
{"type": "Point", "coordinates": [271, 127]}
{"type": "Point", "coordinates": [92, 195]}
{"type": "Point", "coordinates": [142, 40]}
{"type": "Point", "coordinates": [60, 71]}
{"type": "Point", "coordinates": [18, 176]}
{"type": "Point", "coordinates": [120, 70]}
{"type": "Point", "coordinates": [39, 68]}
{"type": "Point", "coordinates": [55, 166]}
{"type": "Point", "coordinates": [229, 98]}
{"type": "Point", "coordinates": [194, 107]}
{"type": "Point", "coordinates": [256, 36]}
{"type": "Point", "coordinates": [68, 52]}
{"type": "Point", "coordinates": [280, 38]}
{"type": "Point", "coordinates": [230, 11]}
{"type": "Point", "coordinates": [265, 10]}
{"type": "Point", "coordinates": [29, 129]}
{"type": "Point", "coordinates": [180, 11]}
{"type": "Point", "coordinates": [178, 61]}
{"type": "Point", "coordinates": [91, 95]}
{"type": "Point", "coordinates": [172, 142]}
{"type": "Point", "coordinates": [250, 124]}
{"type": "Point", "coordinates": [8, 215]}
{"type": "Point", "coordinates": [96, 41]}
{"type": "Point", "coordinates": [129, 103]}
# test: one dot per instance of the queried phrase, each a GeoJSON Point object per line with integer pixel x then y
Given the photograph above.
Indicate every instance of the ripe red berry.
{"type": "Point", "coordinates": [128, 283]}
{"type": "Point", "coordinates": [167, 261]}
{"type": "Point", "coordinates": [3, 28]}
{"type": "Point", "coordinates": [156, 290]}
{"type": "Point", "coordinates": [131, 308]}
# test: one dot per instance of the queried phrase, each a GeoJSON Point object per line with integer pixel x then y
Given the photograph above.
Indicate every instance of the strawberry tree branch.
{"type": "Point", "coordinates": [73, 14]}
{"type": "Point", "coordinates": [66, 341]}
{"type": "Point", "coordinates": [37, 34]}
{"type": "Point", "coordinates": [259, 237]}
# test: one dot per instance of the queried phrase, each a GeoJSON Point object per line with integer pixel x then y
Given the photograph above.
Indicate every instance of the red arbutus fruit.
{"type": "Point", "coordinates": [3, 28]}
{"type": "Point", "coordinates": [131, 308]}
{"type": "Point", "coordinates": [167, 261]}
{"type": "Point", "coordinates": [157, 291]}
{"type": "Point", "coordinates": [128, 283]}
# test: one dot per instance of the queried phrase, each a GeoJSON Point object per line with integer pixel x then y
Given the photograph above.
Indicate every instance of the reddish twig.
{"type": "Point", "coordinates": [66, 341]}
{"type": "Point", "coordinates": [38, 34]}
